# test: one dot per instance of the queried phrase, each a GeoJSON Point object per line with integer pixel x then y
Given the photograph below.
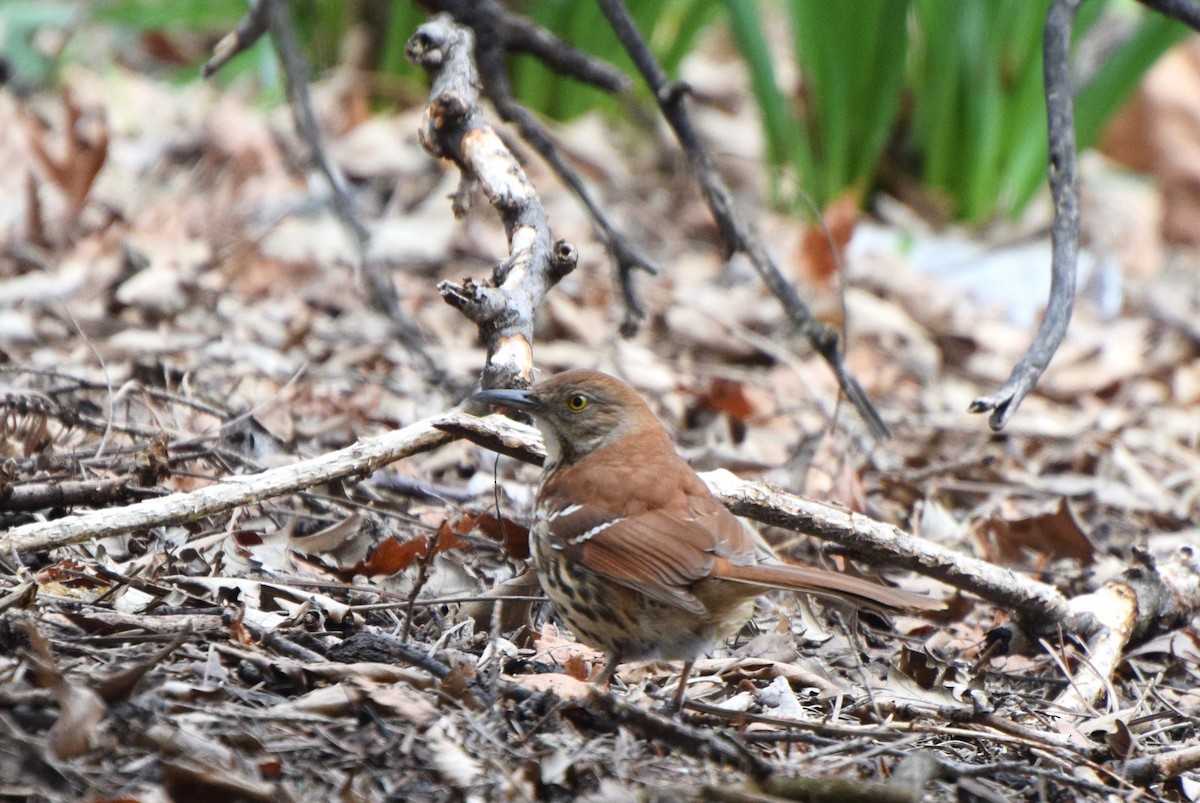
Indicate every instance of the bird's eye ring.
{"type": "Point", "coordinates": [577, 402]}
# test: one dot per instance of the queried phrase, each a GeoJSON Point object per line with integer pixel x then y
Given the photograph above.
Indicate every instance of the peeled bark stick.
{"type": "Point", "coordinates": [500, 32]}
{"type": "Point", "coordinates": [453, 127]}
{"type": "Point", "coordinates": [1145, 601]}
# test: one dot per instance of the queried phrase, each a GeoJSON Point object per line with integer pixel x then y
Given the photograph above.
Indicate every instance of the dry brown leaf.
{"type": "Point", "coordinates": [402, 700]}
{"type": "Point", "coordinates": [727, 397]}
{"type": "Point", "coordinates": [80, 712]}
{"type": "Point", "coordinates": [456, 765]}
{"type": "Point", "coordinates": [86, 136]}
{"type": "Point", "coordinates": [393, 555]}
{"type": "Point", "coordinates": [823, 248]}
{"type": "Point", "coordinates": [1050, 535]}
{"type": "Point", "coordinates": [549, 644]}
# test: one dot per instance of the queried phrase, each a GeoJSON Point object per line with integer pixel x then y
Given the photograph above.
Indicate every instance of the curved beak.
{"type": "Point", "coordinates": [514, 399]}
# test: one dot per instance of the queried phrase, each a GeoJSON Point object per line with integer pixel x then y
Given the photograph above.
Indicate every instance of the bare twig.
{"type": "Point", "coordinates": [1064, 187]}
{"type": "Point", "coordinates": [499, 32]}
{"type": "Point", "coordinates": [694, 741]}
{"type": "Point", "coordinates": [249, 30]}
{"type": "Point", "coordinates": [514, 33]}
{"type": "Point", "coordinates": [454, 128]}
{"type": "Point", "coordinates": [42, 495]}
{"type": "Point", "coordinates": [423, 562]}
{"type": "Point", "coordinates": [736, 232]}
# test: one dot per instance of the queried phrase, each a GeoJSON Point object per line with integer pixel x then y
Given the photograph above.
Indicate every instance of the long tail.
{"type": "Point", "coordinates": [790, 577]}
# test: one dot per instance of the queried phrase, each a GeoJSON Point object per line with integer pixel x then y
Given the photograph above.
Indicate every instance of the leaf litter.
{"type": "Point", "coordinates": [190, 311]}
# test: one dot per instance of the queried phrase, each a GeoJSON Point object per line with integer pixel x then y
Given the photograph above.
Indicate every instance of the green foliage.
{"type": "Point", "coordinates": [852, 56]}
{"type": "Point", "coordinates": [977, 121]}
{"type": "Point", "coordinates": [979, 116]}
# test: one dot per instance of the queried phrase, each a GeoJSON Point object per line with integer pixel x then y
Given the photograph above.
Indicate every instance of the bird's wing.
{"type": "Point", "coordinates": [654, 552]}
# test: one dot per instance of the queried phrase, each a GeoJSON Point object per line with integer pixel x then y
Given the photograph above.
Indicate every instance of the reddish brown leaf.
{"type": "Point", "coordinates": [727, 397]}
{"type": "Point", "coordinates": [576, 667]}
{"type": "Point", "coordinates": [1051, 535]}
{"type": "Point", "coordinates": [819, 253]}
{"type": "Point", "coordinates": [512, 536]}
{"type": "Point", "coordinates": [393, 555]}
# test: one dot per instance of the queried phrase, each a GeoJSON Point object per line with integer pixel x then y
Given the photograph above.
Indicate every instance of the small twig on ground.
{"type": "Point", "coordinates": [735, 231]}
{"type": "Point", "coordinates": [694, 741]}
{"type": "Point", "coordinates": [423, 561]}
{"type": "Point", "coordinates": [70, 493]}
{"type": "Point", "coordinates": [1064, 235]}
{"type": "Point", "coordinates": [272, 15]}
{"type": "Point", "coordinates": [454, 128]}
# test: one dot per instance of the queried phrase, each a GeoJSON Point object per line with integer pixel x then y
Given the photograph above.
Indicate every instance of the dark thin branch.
{"type": "Point", "coordinates": [693, 741]}
{"type": "Point", "coordinates": [272, 15]}
{"type": "Point", "coordinates": [625, 256]}
{"type": "Point", "coordinates": [1064, 236]}
{"type": "Point", "coordinates": [735, 231]}
{"type": "Point", "coordinates": [1186, 11]}
{"type": "Point", "coordinates": [522, 35]}
{"type": "Point", "coordinates": [499, 32]}
{"type": "Point", "coordinates": [516, 34]}
{"type": "Point", "coordinates": [249, 30]}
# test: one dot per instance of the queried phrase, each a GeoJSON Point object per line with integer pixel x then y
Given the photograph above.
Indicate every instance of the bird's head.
{"type": "Point", "coordinates": [578, 412]}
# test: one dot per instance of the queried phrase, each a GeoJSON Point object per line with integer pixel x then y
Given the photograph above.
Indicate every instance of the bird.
{"type": "Point", "coordinates": [637, 556]}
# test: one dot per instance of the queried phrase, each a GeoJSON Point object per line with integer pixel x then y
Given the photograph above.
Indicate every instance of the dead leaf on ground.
{"type": "Point", "coordinates": [1048, 535]}
{"type": "Point", "coordinates": [823, 247]}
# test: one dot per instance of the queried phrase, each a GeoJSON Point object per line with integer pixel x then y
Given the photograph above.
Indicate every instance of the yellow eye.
{"type": "Point", "coordinates": [577, 402]}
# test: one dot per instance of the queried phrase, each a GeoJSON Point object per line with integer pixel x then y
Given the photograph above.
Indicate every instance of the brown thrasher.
{"type": "Point", "coordinates": [635, 552]}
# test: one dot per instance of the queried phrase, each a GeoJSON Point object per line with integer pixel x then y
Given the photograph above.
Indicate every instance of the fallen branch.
{"type": "Point", "coordinates": [454, 128]}
{"type": "Point", "coordinates": [361, 458]}
{"type": "Point", "coordinates": [1144, 601]}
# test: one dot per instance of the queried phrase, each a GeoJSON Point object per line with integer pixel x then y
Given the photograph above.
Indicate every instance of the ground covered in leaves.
{"type": "Point", "coordinates": [194, 313]}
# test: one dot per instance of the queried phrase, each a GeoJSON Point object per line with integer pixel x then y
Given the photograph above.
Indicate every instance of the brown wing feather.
{"type": "Point", "coordinates": [655, 554]}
